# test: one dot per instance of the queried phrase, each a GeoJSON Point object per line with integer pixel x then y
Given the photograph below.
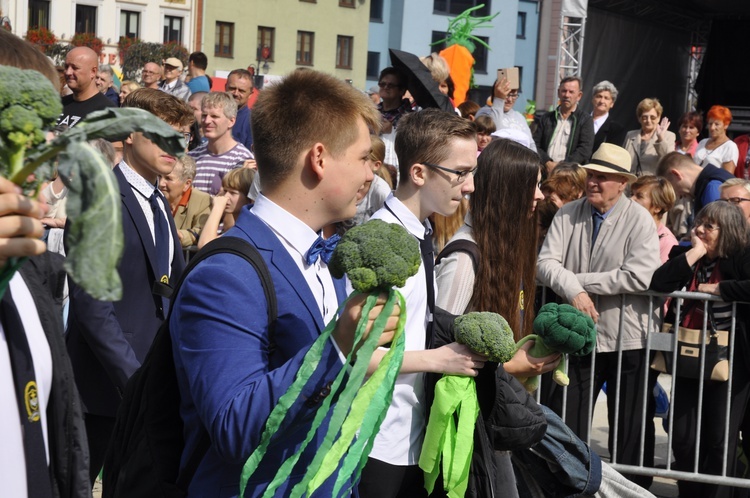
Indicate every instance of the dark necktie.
{"type": "Point", "coordinates": [428, 259]}
{"type": "Point", "coordinates": [24, 379]}
{"type": "Point", "coordinates": [322, 248]}
{"type": "Point", "coordinates": [598, 220]}
{"type": "Point", "coordinates": [161, 233]}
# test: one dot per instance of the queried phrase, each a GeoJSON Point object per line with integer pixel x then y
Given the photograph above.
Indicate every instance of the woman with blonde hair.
{"type": "Point", "coordinates": [653, 141]}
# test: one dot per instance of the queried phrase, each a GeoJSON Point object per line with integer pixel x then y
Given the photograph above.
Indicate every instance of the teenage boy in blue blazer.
{"type": "Point", "coordinates": [312, 140]}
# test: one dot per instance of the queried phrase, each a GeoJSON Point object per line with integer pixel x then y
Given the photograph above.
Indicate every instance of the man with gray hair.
{"type": "Point", "coordinates": [737, 191]}
{"type": "Point", "coordinates": [105, 78]}
{"type": "Point", "coordinates": [599, 251]}
{"type": "Point", "coordinates": [221, 152]}
{"type": "Point", "coordinates": [605, 130]}
{"type": "Point", "coordinates": [190, 207]}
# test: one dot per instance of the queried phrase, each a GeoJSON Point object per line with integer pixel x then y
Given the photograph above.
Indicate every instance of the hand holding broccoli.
{"type": "Point", "coordinates": [377, 257]}
{"type": "Point", "coordinates": [20, 228]}
{"type": "Point", "coordinates": [559, 328]}
{"type": "Point", "coordinates": [350, 316]}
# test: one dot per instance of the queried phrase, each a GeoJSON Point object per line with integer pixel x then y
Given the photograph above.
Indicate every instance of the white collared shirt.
{"type": "Point", "coordinates": [143, 190]}
{"type": "Point", "coordinates": [297, 237]}
{"type": "Point", "coordinates": [598, 122]}
{"type": "Point", "coordinates": [399, 441]}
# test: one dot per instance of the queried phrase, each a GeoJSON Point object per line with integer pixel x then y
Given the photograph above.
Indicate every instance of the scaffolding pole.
{"type": "Point", "coordinates": [570, 53]}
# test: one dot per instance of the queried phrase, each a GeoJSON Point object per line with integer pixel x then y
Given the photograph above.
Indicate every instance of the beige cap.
{"type": "Point", "coordinates": [174, 62]}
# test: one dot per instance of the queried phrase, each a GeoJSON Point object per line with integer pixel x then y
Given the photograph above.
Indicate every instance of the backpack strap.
{"type": "Point", "coordinates": [461, 245]}
{"type": "Point", "coordinates": [247, 251]}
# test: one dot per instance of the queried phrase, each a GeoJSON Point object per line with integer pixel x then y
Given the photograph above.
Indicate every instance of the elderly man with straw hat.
{"type": "Point", "coordinates": [599, 251]}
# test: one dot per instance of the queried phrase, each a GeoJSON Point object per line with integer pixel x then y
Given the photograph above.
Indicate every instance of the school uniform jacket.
{"type": "Point", "coordinates": [107, 341]}
{"type": "Point", "coordinates": [231, 370]}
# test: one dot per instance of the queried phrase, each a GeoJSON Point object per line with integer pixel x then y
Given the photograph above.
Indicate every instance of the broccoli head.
{"type": "Point", "coordinates": [486, 333]}
{"type": "Point", "coordinates": [376, 255]}
{"type": "Point", "coordinates": [29, 104]}
{"type": "Point", "coordinates": [564, 329]}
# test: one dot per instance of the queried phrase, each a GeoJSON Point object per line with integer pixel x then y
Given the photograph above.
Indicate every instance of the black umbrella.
{"type": "Point", "coordinates": [421, 85]}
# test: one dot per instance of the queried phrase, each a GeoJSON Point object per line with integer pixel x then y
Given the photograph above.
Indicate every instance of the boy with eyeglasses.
{"type": "Point", "coordinates": [437, 154]}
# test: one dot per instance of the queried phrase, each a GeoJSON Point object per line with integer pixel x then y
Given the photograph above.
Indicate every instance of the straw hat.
{"type": "Point", "coordinates": [610, 158]}
{"type": "Point", "coordinates": [174, 62]}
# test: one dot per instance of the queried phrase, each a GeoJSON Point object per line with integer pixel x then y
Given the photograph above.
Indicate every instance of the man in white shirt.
{"type": "Point", "coordinates": [437, 154]}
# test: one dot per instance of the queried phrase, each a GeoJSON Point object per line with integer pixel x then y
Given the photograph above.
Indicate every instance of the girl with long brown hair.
{"type": "Point", "coordinates": [493, 268]}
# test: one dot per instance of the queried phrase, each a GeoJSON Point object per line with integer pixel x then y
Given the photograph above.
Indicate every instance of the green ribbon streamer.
{"type": "Point", "coordinates": [324, 464]}
{"type": "Point", "coordinates": [446, 440]}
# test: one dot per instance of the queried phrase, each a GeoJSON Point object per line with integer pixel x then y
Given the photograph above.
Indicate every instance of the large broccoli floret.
{"type": "Point", "coordinates": [486, 333]}
{"type": "Point", "coordinates": [559, 328]}
{"type": "Point", "coordinates": [376, 255]}
{"type": "Point", "coordinates": [29, 104]}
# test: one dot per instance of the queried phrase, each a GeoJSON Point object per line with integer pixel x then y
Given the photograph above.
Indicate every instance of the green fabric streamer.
{"type": "Point", "coordinates": [275, 419]}
{"type": "Point", "coordinates": [358, 407]}
{"type": "Point", "coordinates": [371, 400]}
{"type": "Point", "coordinates": [445, 440]}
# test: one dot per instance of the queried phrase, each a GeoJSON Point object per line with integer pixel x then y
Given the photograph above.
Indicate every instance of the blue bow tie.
{"type": "Point", "coordinates": [323, 248]}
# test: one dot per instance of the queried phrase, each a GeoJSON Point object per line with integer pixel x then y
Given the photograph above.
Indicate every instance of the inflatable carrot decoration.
{"type": "Point", "coordinates": [460, 44]}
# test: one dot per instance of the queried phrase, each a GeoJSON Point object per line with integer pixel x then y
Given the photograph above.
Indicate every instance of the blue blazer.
{"type": "Point", "coordinates": [231, 373]}
{"type": "Point", "coordinates": [107, 341]}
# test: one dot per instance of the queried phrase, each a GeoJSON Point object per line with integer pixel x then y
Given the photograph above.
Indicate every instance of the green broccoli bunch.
{"type": "Point", "coordinates": [559, 328]}
{"type": "Point", "coordinates": [376, 255]}
{"type": "Point", "coordinates": [485, 333]}
{"type": "Point", "coordinates": [29, 104]}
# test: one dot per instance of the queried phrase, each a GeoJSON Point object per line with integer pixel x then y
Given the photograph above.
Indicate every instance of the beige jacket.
{"type": "Point", "coordinates": [655, 150]}
{"type": "Point", "coordinates": [190, 219]}
{"type": "Point", "coordinates": [624, 258]}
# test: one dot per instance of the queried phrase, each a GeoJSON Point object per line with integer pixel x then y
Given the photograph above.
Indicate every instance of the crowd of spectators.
{"type": "Point", "coordinates": [569, 201]}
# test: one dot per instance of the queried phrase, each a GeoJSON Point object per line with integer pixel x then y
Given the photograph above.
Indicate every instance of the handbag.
{"type": "Point", "coordinates": [689, 353]}
{"type": "Point", "coordinates": [689, 341]}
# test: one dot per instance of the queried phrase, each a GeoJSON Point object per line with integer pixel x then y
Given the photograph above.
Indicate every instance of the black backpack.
{"type": "Point", "coordinates": [143, 457]}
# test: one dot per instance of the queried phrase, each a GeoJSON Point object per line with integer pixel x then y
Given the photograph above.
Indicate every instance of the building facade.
{"type": "Point", "coordinates": [150, 20]}
{"type": "Point", "coordinates": [274, 37]}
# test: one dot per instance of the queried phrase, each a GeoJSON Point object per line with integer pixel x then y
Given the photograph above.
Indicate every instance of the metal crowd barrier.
{"type": "Point", "coordinates": [667, 343]}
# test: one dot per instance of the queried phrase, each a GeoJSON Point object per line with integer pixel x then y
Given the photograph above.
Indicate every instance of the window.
{"type": "Point", "coordinates": [129, 23]}
{"type": "Point", "coordinates": [344, 46]}
{"type": "Point", "coordinates": [172, 29]}
{"type": "Point", "coordinates": [521, 26]}
{"type": "Point", "coordinates": [224, 40]}
{"type": "Point", "coordinates": [480, 52]}
{"type": "Point", "coordinates": [266, 37]}
{"type": "Point", "coordinates": [373, 65]}
{"type": "Point", "coordinates": [376, 11]}
{"type": "Point", "coordinates": [455, 7]}
{"type": "Point", "coordinates": [38, 14]}
{"type": "Point", "coordinates": [346, 3]}
{"type": "Point", "coordinates": [305, 46]}
{"type": "Point", "coordinates": [85, 19]}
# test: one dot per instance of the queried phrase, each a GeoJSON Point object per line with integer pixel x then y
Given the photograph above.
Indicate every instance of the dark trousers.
{"type": "Point", "coordinates": [99, 431]}
{"type": "Point", "coordinates": [711, 456]}
{"type": "Point", "coordinates": [383, 480]}
{"type": "Point", "coordinates": [633, 382]}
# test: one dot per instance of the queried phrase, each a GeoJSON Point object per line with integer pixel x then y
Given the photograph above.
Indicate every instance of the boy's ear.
{"type": "Point", "coordinates": [316, 160]}
{"type": "Point", "coordinates": [417, 174]}
{"type": "Point", "coordinates": [129, 140]}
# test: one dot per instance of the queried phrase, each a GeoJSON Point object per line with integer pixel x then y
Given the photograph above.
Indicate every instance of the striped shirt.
{"type": "Point", "coordinates": [211, 168]}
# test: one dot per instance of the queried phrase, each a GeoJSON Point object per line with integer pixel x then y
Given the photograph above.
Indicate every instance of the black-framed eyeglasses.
{"type": "Point", "coordinates": [512, 96]}
{"type": "Point", "coordinates": [460, 174]}
{"type": "Point", "coordinates": [736, 200]}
